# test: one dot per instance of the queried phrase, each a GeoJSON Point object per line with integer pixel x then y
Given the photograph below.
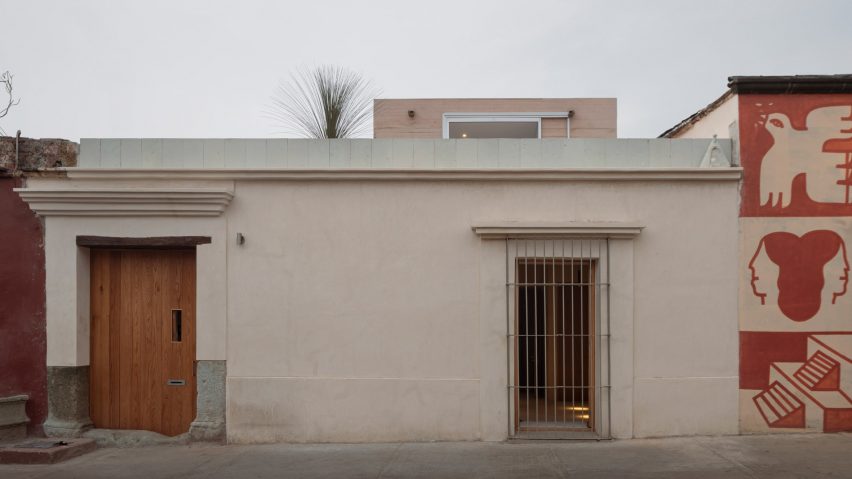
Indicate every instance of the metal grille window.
{"type": "Point", "coordinates": [558, 332]}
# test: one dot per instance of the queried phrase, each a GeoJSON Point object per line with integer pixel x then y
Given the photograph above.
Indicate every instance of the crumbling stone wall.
{"type": "Point", "coordinates": [36, 154]}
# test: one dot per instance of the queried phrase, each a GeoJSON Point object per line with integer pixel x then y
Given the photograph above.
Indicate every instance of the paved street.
{"type": "Point", "coordinates": [801, 456]}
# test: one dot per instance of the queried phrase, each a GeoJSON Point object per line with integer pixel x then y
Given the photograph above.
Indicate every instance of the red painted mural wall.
{"type": "Point", "coordinates": [796, 227]}
{"type": "Point", "coordinates": [22, 304]}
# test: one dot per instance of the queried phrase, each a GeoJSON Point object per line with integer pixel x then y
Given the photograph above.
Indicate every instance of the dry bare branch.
{"type": "Point", "coordinates": [6, 80]}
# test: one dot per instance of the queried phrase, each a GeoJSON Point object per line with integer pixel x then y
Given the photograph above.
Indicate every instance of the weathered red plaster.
{"type": "Point", "coordinates": [22, 304]}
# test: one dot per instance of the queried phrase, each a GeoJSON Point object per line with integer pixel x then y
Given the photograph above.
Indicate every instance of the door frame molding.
{"type": "Point", "coordinates": [70, 416]}
{"type": "Point", "coordinates": [495, 308]}
{"type": "Point", "coordinates": [150, 242]}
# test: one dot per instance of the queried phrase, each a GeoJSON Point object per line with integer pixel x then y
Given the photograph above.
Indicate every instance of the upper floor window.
{"type": "Point", "coordinates": [502, 125]}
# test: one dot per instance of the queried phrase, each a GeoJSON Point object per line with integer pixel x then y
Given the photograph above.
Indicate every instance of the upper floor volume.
{"type": "Point", "coordinates": [480, 118]}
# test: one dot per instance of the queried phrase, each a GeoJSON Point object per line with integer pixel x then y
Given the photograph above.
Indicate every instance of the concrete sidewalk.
{"type": "Point", "coordinates": [804, 456]}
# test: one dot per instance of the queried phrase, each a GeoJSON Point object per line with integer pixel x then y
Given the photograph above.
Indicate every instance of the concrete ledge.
{"type": "Point", "coordinates": [43, 451]}
{"type": "Point", "coordinates": [13, 418]}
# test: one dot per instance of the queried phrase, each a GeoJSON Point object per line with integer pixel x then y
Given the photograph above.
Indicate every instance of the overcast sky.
{"type": "Point", "coordinates": [208, 68]}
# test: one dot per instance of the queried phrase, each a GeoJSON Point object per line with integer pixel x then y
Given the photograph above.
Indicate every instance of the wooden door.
{"type": "Point", "coordinates": [143, 340]}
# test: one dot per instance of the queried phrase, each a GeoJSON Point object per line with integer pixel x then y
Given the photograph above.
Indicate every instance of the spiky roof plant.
{"type": "Point", "coordinates": [324, 102]}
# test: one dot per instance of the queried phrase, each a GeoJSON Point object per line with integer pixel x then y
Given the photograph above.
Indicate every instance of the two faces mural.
{"type": "Point", "coordinates": [796, 220]}
{"type": "Point", "coordinates": [794, 272]}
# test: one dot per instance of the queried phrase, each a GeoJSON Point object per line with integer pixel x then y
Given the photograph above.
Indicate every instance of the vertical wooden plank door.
{"type": "Point", "coordinates": [142, 340]}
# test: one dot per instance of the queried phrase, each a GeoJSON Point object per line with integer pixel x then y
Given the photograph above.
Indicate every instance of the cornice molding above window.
{"type": "Point", "coordinates": [571, 229]}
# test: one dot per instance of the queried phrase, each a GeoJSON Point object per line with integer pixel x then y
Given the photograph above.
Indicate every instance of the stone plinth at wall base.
{"type": "Point", "coordinates": [67, 401]}
{"type": "Point", "coordinates": [132, 438]}
{"type": "Point", "coordinates": [13, 418]}
{"type": "Point", "coordinates": [53, 428]}
{"type": "Point", "coordinates": [45, 451]}
{"type": "Point", "coordinates": [207, 431]}
{"type": "Point", "coordinates": [209, 423]}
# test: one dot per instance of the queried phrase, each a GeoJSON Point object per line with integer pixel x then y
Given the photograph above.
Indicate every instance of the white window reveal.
{"type": "Point", "coordinates": [500, 125]}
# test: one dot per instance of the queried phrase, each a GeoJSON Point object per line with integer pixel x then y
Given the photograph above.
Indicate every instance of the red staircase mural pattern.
{"type": "Point", "coordinates": [820, 373]}
{"type": "Point", "coordinates": [815, 394]}
{"type": "Point", "coordinates": [795, 371]}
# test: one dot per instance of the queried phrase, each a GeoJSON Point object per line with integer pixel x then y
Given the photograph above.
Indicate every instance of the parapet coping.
{"type": "Point", "coordinates": [379, 174]}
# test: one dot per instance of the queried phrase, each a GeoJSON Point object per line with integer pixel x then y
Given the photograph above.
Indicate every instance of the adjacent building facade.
{"type": "Point", "coordinates": [22, 307]}
{"type": "Point", "coordinates": [795, 136]}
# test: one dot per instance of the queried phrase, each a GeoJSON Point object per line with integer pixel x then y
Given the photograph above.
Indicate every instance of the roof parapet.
{"type": "Point", "coordinates": [841, 83]}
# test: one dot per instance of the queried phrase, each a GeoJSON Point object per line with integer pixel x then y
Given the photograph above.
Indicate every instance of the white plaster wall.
{"type": "Point", "coordinates": [493, 346]}
{"type": "Point", "coordinates": [685, 320]}
{"type": "Point", "coordinates": [369, 310]}
{"type": "Point", "coordinates": [717, 122]}
{"type": "Point", "coordinates": [354, 298]}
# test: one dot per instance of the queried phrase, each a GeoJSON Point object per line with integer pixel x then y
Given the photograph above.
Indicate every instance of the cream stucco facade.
{"type": "Point", "coordinates": [718, 119]}
{"type": "Point", "coordinates": [368, 300]}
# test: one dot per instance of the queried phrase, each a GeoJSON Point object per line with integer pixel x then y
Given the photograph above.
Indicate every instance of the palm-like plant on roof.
{"type": "Point", "coordinates": [324, 102]}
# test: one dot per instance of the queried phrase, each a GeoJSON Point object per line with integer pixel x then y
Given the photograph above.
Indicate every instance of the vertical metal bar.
{"type": "Point", "coordinates": [598, 342]}
{"type": "Point", "coordinates": [583, 317]}
{"type": "Point", "coordinates": [573, 340]}
{"type": "Point", "coordinates": [608, 346]}
{"type": "Point", "coordinates": [510, 348]}
{"type": "Point", "coordinates": [554, 390]}
{"type": "Point", "coordinates": [562, 291]}
{"type": "Point", "coordinates": [527, 329]}
{"type": "Point", "coordinates": [547, 366]}
{"type": "Point", "coordinates": [545, 307]}
{"type": "Point", "coordinates": [551, 309]}
{"type": "Point", "coordinates": [535, 323]}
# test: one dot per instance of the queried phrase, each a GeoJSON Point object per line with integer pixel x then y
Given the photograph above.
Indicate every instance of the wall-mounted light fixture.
{"type": "Point", "coordinates": [411, 113]}
{"type": "Point", "coordinates": [240, 239]}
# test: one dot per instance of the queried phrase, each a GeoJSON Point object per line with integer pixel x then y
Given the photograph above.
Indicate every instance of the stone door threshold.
{"type": "Point", "coordinates": [132, 438]}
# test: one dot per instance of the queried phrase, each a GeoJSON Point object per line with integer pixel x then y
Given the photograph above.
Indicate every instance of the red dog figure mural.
{"type": "Point", "coordinates": [796, 272]}
{"type": "Point", "coordinates": [823, 152]}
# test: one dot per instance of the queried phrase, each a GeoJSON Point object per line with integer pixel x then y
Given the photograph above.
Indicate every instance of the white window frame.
{"type": "Point", "coordinates": [483, 117]}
